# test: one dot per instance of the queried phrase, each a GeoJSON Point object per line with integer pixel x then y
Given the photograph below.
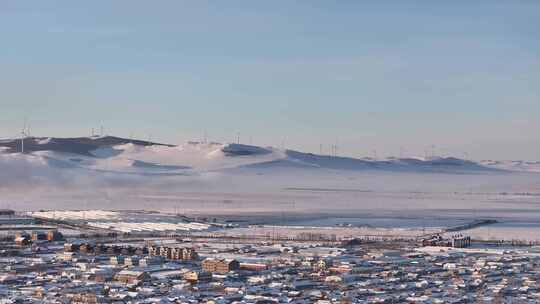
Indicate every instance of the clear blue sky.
{"type": "Point", "coordinates": [371, 75]}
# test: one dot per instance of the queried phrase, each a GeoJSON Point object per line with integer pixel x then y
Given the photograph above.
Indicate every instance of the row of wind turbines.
{"type": "Point", "coordinates": [25, 133]}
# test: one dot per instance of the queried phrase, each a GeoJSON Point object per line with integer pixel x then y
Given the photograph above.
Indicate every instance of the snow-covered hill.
{"type": "Point", "coordinates": [119, 155]}
{"type": "Point", "coordinates": [513, 165]}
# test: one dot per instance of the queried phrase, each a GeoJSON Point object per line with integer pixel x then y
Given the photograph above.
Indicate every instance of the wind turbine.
{"type": "Point", "coordinates": [24, 133]}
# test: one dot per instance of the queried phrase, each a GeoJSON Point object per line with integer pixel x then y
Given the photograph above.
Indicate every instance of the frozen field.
{"type": "Point", "coordinates": [339, 232]}
{"type": "Point", "coordinates": [124, 221]}
{"type": "Point", "coordinates": [512, 230]}
{"type": "Point", "coordinates": [364, 199]}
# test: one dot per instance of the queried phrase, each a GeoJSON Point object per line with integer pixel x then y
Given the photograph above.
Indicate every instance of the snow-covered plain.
{"type": "Point", "coordinates": [123, 221]}
{"type": "Point", "coordinates": [265, 184]}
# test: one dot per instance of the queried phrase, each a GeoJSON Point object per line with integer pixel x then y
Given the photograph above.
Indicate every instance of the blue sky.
{"type": "Point", "coordinates": [463, 76]}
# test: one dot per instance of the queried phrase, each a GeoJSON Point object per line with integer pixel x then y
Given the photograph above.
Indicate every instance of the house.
{"type": "Point", "coordinates": [253, 266]}
{"type": "Point", "coordinates": [321, 264]}
{"type": "Point", "coordinates": [85, 248]}
{"type": "Point", "coordinates": [153, 250]}
{"type": "Point", "coordinates": [22, 239]}
{"type": "Point", "coordinates": [54, 236]}
{"type": "Point", "coordinates": [148, 261]}
{"type": "Point", "coordinates": [72, 247]}
{"type": "Point", "coordinates": [117, 260]}
{"type": "Point", "coordinates": [165, 252]}
{"type": "Point", "coordinates": [198, 276]}
{"type": "Point", "coordinates": [461, 241]}
{"type": "Point", "coordinates": [103, 275]}
{"type": "Point", "coordinates": [39, 236]}
{"type": "Point", "coordinates": [132, 261]}
{"type": "Point", "coordinates": [183, 254]}
{"type": "Point", "coordinates": [173, 253]}
{"type": "Point", "coordinates": [220, 265]}
{"type": "Point", "coordinates": [132, 276]}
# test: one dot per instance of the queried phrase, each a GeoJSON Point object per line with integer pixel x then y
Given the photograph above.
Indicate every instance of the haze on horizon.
{"type": "Point", "coordinates": [462, 76]}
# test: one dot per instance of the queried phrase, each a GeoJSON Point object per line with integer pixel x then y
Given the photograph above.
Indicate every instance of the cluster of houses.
{"type": "Point", "coordinates": [24, 238]}
{"type": "Point", "coordinates": [303, 272]}
{"type": "Point", "coordinates": [455, 241]}
{"type": "Point", "coordinates": [96, 249]}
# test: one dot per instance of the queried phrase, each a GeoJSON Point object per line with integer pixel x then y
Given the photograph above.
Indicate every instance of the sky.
{"type": "Point", "coordinates": [383, 78]}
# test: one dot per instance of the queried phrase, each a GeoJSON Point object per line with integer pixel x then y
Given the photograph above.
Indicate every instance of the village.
{"type": "Point", "coordinates": [48, 266]}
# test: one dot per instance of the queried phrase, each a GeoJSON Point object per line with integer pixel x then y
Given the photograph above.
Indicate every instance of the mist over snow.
{"type": "Point", "coordinates": [116, 173]}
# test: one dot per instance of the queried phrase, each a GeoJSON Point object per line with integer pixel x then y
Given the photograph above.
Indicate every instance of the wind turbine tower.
{"type": "Point", "coordinates": [24, 133]}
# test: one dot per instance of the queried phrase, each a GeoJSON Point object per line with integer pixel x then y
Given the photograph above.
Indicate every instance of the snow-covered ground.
{"type": "Point", "coordinates": [198, 158]}
{"type": "Point", "coordinates": [512, 230]}
{"type": "Point", "coordinates": [80, 215]}
{"type": "Point", "coordinates": [339, 232]}
{"type": "Point", "coordinates": [149, 226]}
{"type": "Point", "coordinates": [123, 221]}
{"type": "Point", "coordinates": [215, 179]}
{"type": "Point", "coordinates": [513, 165]}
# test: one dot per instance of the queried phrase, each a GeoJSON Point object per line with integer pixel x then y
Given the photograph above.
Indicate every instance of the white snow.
{"type": "Point", "coordinates": [149, 226]}
{"type": "Point", "coordinates": [195, 156]}
{"type": "Point", "coordinates": [77, 215]}
{"type": "Point", "coordinates": [513, 165]}
{"type": "Point", "coordinates": [122, 221]}
{"type": "Point", "coordinates": [199, 178]}
{"type": "Point", "coordinates": [43, 141]}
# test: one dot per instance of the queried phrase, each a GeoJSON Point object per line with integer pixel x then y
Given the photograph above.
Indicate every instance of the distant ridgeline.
{"type": "Point", "coordinates": [76, 145]}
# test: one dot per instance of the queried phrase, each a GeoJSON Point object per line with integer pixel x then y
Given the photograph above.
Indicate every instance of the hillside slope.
{"type": "Point", "coordinates": [120, 155]}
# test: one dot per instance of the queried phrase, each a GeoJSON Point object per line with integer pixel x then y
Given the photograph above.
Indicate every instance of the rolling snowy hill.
{"type": "Point", "coordinates": [120, 155]}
